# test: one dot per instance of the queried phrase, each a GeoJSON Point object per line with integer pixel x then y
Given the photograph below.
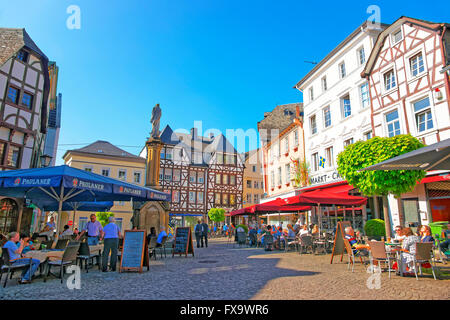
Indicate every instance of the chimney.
{"type": "Point", "coordinates": [194, 133]}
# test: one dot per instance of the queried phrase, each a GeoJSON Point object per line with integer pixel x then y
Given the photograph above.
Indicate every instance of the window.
{"type": "Point", "coordinates": [22, 56]}
{"type": "Point", "coordinates": [105, 172]}
{"type": "Point", "coordinates": [397, 36]}
{"type": "Point", "coordinates": [393, 123]}
{"type": "Point", "coordinates": [199, 197]}
{"type": "Point", "coordinates": [389, 80]}
{"type": "Point", "coordinates": [232, 180]}
{"type": "Point", "coordinates": [348, 142]}
{"type": "Point", "coordinates": [416, 65]}
{"type": "Point", "coordinates": [13, 95]}
{"type": "Point", "coordinates": [200, 177]}
{"type": "Point", "coordinates": [342, 73]}
{"type": "Point", "coordinates": [296, 138]}
{"type": "Point", "coordinates": [255, 184]}
{"type": "Point", "coordinates": [122, 175]}
{"type": "Point", "coordinates": [361, 56]}
{"type": "Point", "coordinates": [368, 135]}
{"type": "Point", "coordinates": [313, 124]}
{"type": "Point", "coordinates": [218, 178]}
{"type": "Point", "coordinates": [253, 168]}
{"type": "Point", "coordinates": [230, 159]}
{"type": "Point", "coordinates": [225, 179]}
{"type": "Point", "coordinates": [27, 100]}
{"type": "Point", "coordinates": [286, 145]}
{"type": "Point", "coordinates": [272, 179]}
{"type": "Point", "coordinates": [168, 174]}
{"type": "Point", "coordinates": [82, 221]}
{"type": "Point", "coordinates": [163, 154]}
{"type": "Point", "coordinates": [249, 184]}
{"type": "Point", "coordinates": [176, 175]}
{"type": "Point", "coordinates": [232, 199]}
{"type": "Point", "coordinates": [422, 111]}
{"type": "Point", "coordinates": [88, 169]}
{"type": "Point", "coordinates": [311, 94]}
{"type": "Point", "coordinates": [225, 199]}
{"type": "Point", "coordinates": [169, 154]}
{"type": "Point", "coordinates": [256, 197]}
{"type": "Point", "coordinates": [327, 117]}
{"type": "Point", "coordinates": [175, 196]}
{"type": "Point", "coordinates": [287, 172]}
{"type": "Point", "coordinates": [119, 203]}
{"type": "Point", "coordinates": [324, 84]}
{"type": "Point", "coordinates": [249, 198]}
{"type": "Point", "coordinates": [279, 176]}
{"type": "Point", "coordinates": [161, 174]}
{"type": "Point", "coordinates": [118, 223]}
{"type": "Point", "coordinates": [13, 156]}
{"type": "Point", "coordinates": [346, 106]}
{"type": "Point", "coordinates": [219, 158]}
{"type": "Point", "coordinates": [364, 91]}
{"type": "Point", "coordinates": [329, 156]}
{"type": "Point", "coordinates": [315, 161]}
{"type": "Point", "coordinates": [191, 197]}
{"type": "Point", "coordinates": [137, 177]}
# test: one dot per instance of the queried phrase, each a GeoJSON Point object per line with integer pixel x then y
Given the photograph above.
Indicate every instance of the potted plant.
{"type": "Point", "coordinates": [375, 229]}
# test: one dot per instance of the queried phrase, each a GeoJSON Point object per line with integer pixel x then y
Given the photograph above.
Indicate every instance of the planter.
{"type": "Point", "coordinates": [279, 187]}
{"type": "Point", "coordinates": [295, 149]}
{"type": "Point", "coordinates": [286, 154]}
{"type": "Point", "coordinates": [288, 184]}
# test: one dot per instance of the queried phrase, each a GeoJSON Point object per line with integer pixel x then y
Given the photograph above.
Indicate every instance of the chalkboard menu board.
{"type": "Point", "coordinates": [338, 246]}
{"type": "Point", "coordinates": [134, 247]}
{"type": "Point", "coordinates": [183, 242]}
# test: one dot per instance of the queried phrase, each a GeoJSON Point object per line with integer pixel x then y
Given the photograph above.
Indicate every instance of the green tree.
{"type": "Point", "coordinates": [216, 214]}
{"type": "Point", "coordinates": [103, 217]}
{"type": "Point", "coordinates": [301, 173]}
{"type": "Point", "coordinates": [379, 182]}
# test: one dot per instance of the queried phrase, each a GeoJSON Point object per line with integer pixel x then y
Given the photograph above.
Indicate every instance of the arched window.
{"type": "Point", "coordinates": [9, 213]}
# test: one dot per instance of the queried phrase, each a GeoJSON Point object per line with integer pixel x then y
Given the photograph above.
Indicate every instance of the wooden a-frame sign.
{"type": "Point", "coordinates": [338, 245]}
{"type": "Point", "coordinates": [183, 241]}
{"type": "Point", "coordinates": [134, 251]}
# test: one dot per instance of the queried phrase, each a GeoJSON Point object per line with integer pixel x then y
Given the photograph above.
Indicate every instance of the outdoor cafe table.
{"type": "Point", "coordinates": [55, 255]}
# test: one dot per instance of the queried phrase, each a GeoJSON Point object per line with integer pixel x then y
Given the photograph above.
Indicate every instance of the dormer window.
{"type": "Point", "coordinates": [397, 36]}
{"type": "Point", "coordinates": [22, 56]}
{"type": "Point", "coordinates": [100, 151]}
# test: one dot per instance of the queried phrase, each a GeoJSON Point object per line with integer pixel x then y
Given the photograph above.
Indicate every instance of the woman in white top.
{"type": "Point", "coordinates": [304, 230]}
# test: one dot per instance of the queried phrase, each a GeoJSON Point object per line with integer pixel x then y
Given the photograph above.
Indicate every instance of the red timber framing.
{"type": "Point", "coordinates": [418, 37]}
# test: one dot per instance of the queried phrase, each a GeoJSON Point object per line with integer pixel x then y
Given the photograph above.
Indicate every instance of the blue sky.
{"type": "Point", "coordinates": [224, 62]}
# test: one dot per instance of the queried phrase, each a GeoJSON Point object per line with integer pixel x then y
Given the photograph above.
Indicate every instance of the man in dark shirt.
{"type": "Point", "coordinates": [205, 230]}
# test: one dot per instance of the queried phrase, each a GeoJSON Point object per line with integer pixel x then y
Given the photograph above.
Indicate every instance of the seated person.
{"type": "Point", "coordinates": [291, 232]}
{"type": "Point", "coordinates": [426, 234]}
{"type": "Point", "coordinates": [398, 231]}
{"type": "Point", "coordinates": [15, 256]}
{"type": "Point", "coordinates": [152, 234]}
{"type": "Point", "coordinates": [304, 230]}
{"type": "Point", "coordinates": [408, 250]}
{"type": "Point", "coordinates": [315, 230]}
{"type": "Point", "coordinates": [161, 235]}
{"type": "Point", "coordinates": [358, 249]}
{"type": "Point", "coordinates": [66, 231]}
{"type": "Point", "coordinates": [268, 231]}
{"type": "Point", "coordinates": [29, 244]}
{"type": "Point", "coordinates": [445, 245]}
{"type": "Point", "coordinates": [254, 232]}
{"type": "Point", "coordinates": [49, 228]}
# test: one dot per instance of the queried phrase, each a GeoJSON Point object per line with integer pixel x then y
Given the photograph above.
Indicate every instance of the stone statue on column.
{"type": "Point", "coordinates": [156, 116]}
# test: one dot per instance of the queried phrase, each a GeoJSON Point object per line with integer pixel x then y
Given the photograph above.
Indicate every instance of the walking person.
{"type": "Point", "coordinates": [111, 234]}
{"type": "Point", "coordinates": [205, 230]}
{"type": "Point", "coordinates": [198, 230]}
{"type": "Point", "coordinates": [94, 231]}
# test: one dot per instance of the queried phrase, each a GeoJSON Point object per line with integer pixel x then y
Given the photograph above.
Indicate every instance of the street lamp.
{"type": "Point", "coordinates": [45, 160]}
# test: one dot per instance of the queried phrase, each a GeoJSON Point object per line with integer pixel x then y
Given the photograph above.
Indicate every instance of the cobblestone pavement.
{"type": "Point", "coordinates": [222, 271]}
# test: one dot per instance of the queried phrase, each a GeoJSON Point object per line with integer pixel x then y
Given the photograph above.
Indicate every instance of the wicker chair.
{"type": "Point", "coordinates": [152, 248]}
{"type": "Point", "coordinates": [268, 242]}
{"type": "Point", "coordinates": [378, 253]}
{"type": "Point", "coordinates": [241, 238]}
{"type": "Point", "coordinates": [306, 242]}
{"type": "Point", "coordinates": [85, 255]}
{"type": "Point", "coordinates": [69, 257]}
{"type": "Point", "coordinates": [61, 244]}
{"type": "Point", "coordinates": [424, 253]}
{"type": "Point", "coordinates": [6, 266]}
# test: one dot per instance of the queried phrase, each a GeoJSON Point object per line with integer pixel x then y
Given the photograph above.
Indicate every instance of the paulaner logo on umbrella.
{"type": "Point", "coordinates": [120, 189]}
{"type": "Point", "coordinates": [75, 182]}
{"type": "Point", "coordinates": [17, 181]}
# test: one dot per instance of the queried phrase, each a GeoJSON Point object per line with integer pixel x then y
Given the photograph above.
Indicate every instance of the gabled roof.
{"type": "Point", "coordinates": [104, 148]}
{"type": "Point", "coordinates": [221, 144]}
{"type": "Point", "coordinates": [167, 136]}
{"type": "Point", "coordinates": [383, 35]}
{"type": "Point", "coordinates": [12, 40]}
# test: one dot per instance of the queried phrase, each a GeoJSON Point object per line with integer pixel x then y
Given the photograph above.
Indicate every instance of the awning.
{"type": "Point", "coordinates": [326, 197]}
{"type": "Point", "coordinates": [437, 178]}
{"type": "Point", "coordinates": [273, 206]}
{"type": "Point", "coordinates": [185, 214]}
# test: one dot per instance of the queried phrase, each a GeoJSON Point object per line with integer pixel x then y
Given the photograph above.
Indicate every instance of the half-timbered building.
{"type": "Point", "coordinates": [200, 173]}
{"type": "Point", "coordinates": [409, 94]}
